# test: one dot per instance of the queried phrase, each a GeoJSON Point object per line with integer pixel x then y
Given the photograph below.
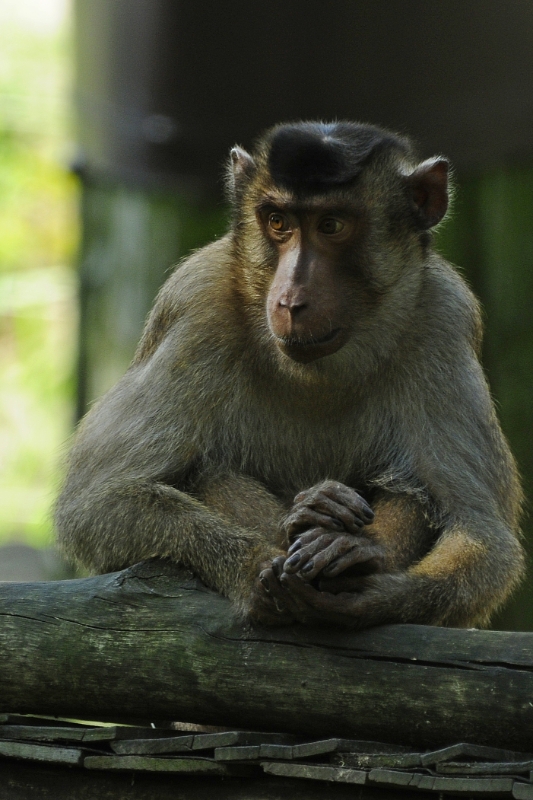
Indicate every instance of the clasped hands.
{"type": "Point", "coordinates": [328, 564]}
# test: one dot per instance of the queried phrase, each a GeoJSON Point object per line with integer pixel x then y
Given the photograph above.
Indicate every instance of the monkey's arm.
{"type": "Point", "coordinates": [137, 489]}
{"type": "Point", "coordinates": [452, 556]}
{"type": "Point", "coordinates": [458, 583]}
{"type": "Point", "coordinates": [107, 527]}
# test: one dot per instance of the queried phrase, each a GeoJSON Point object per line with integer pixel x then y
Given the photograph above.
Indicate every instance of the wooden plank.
{"type": "Point", "coordinates": [522, 791]}
{"type": "Point", "coordinates": [484, 767]}
{"type": "Point", "coordinates": [197, 742]}
{"type": "Point", "coordinates": [190, 766]}
{"type": "Point", "coordinates": [377, 760]}
{"type": "Point", "coordinates": [47, 721]}
{"type": "Point", "coordinates": [237, 753]}
{"type": "Point", "coordinates": [363, 746]}
{"type": "Point", "coordinates": [208, 741]}
{"type": "Point", "coordinates": [389, 777]}
{"type": "Point", "coordinates": [118, 732]}
{"type": "Point", "coordinates": [50, 733]}
{"type": "Point", "coordinates": [174, 744]}
{"type": "Point", "coordinates": [309, 749]}
{"type": "Point", "coordinates": [315, 772]}
{"type": "Point", "coordinates": [41, 752]}
{"type": "Point", "coordinates": [488, 786]}
{"type": "Point", "coordinates": [473, 785]}
{"type": "Point", "coordinates": [282, 751]}
{"type": "Point", "coordinates": [76, 733]}
{"type": "Point", "coordinates": [41, 734]}
{"type": "Point", "coordinates": [474, 751]}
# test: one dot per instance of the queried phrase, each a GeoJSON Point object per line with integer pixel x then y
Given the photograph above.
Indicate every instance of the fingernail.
{"type": "Point", "coordinates": [264, 583]}
{"type": "Point", "coordinates": [308, 567]}
{"type": "Point", "coordinates": [294, 546]}
{"type": "Point", "coordinates": [294, 559]}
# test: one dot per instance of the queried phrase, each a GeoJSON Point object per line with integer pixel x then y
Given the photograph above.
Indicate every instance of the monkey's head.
{"type": "Point", "coordinates": [331, 228]}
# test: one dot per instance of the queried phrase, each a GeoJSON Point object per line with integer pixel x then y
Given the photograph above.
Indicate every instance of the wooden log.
{"type": "Point", "coordinates": [152, 643]}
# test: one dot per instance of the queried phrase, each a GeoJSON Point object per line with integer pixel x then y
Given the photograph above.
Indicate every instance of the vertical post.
{"type": "Point", "coordinates": [132, 238]}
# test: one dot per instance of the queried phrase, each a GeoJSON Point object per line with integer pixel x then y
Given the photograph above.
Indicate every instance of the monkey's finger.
{"type": "Point", "coordinates": [324, 556]}
{"type": "Point", "coordinates": [267, 579]}
{"type": "Point", "coordinates": [271, 584]}
{"type": "Point", "coordinates": [302, 517]}
{"type": "Point", "coordinates": [301, 591]}
{"type": "Point", "coordinates": [296, 599]}
{"type": "Point", "coordinates": [352, 521]}
{"type": "Point", "coordinates": [273, 605]}
{"type": "Point", "coordinates": [301, 557]}
{"type": "Point", "coordinates": [346, 496]}
{"type": "Point", "coordinates": [277, 565]}
{"type": "Point", "coordinates": [313, 606]}
{"type": "Point", "coordinates": [307, 537]}
{"type": "Point", "coordinates": [359, 513]}
{"type": "Point", "coordinates": [263, 609]}
{"type": "Point", "coordinates": [369, 558]}
{"type": "Point", "coordinates": [342, 494]}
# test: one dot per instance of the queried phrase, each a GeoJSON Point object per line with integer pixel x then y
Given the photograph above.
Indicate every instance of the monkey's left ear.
{"type": "Point", "coordinates": [428, 185]}
{"type": "Point", "coordinates": [242, 164]}
{"type": "Point", "coordinates": [240, 169]}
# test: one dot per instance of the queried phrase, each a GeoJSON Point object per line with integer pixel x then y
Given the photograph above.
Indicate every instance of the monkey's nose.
{"type": "Point", "coordinates": [294, 305]}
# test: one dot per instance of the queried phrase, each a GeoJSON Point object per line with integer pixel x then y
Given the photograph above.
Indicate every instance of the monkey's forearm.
{"type": "Point", "coordinates": [110, 528]}
{"type": "Point", "coordinates": [466, 576]}
{"type": "Point", "coordinates": [459, 583]}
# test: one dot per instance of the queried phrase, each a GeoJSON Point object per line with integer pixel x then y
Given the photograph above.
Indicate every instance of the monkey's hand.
{"type": "Point", "coordinates": [266, 607]}
{"type": "Point", "coordinates": [327, 554]}
{"type": "Point", "coordinates": [329, 505]}
{"type": "Point", "coordinates": [361, 606]}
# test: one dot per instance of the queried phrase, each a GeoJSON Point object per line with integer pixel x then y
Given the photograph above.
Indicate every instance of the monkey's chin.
{"type": "Point", "coordinates": [306, 351]}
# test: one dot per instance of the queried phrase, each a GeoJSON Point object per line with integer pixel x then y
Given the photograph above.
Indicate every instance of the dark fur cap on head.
{"type": "Point", "coordinates": [314, 156]}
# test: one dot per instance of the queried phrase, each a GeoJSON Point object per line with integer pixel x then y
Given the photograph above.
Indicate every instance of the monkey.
{"type": "Point", "coordinates": [306, 424]}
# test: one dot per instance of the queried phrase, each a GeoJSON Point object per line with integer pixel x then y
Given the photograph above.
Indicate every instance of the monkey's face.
{"type": "Point", "coordinates": [310, 301]}
{"type": "Point", "coordinates": [330, 233]}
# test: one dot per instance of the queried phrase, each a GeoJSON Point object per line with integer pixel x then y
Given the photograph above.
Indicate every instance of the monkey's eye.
{"type": "Point", "coordinates": [278, 222]}
{"type": "Point", "coordinates": [330, 225]}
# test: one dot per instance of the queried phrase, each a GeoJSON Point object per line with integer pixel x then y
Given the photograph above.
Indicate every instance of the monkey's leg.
{"type": "Point", "coordinates": [245, 502]}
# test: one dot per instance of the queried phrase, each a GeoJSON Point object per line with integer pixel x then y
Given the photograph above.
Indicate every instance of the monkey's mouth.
{"type": "Point", "coordinates": [313, 341]}
{"type": "Point", "coordinates": [309, 349]}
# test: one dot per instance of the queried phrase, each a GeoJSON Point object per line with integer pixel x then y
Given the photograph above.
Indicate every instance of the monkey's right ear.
{"type": "Point", "coordinates": [428, 184]}
{"type": "Point", "coordinates": [241, 168]}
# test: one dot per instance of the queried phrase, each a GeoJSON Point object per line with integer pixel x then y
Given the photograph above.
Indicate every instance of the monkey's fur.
{"type": "Point", "coordinates": [320, 347]}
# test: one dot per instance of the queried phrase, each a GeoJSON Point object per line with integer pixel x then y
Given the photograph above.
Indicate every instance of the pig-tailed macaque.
{"type": "Point", "coordinates": [305, 424]}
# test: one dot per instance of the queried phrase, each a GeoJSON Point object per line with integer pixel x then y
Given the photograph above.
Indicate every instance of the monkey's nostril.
{"type": "Point", "coordinates": [294, 307]}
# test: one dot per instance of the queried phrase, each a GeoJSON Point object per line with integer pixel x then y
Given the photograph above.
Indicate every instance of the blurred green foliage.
{"type": "Point", "coordinates": [38, 235]}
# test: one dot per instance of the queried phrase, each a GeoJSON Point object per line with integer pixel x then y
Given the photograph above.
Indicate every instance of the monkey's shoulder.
{"type": "Point", "coordinates": [449, 308]}
{"type": "Point", "coordinates": [192, 304]}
